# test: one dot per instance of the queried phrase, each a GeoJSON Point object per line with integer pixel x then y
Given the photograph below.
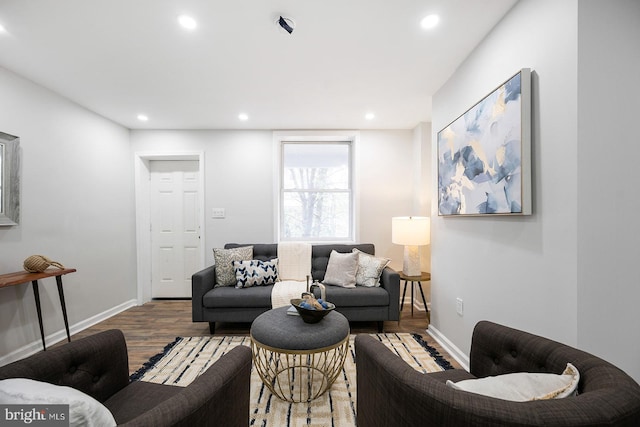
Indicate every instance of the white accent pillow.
{"type": "Point", "coordinates": [369, 269]}
{"type": "Point", "coordinates": [341, 269]}
{"type": "Point", "coordinates": [524, 386]}
{"type": "Point", "coordinates": [84, 410]}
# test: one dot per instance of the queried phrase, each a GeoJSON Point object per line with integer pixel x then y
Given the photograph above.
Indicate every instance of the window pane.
{"type": "Point", "coordinates": [312, 214]}
{"type": "Point", "coordinates": [315, 166]}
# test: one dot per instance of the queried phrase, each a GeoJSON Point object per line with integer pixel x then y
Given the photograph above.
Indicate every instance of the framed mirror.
{"type": "Point", "coordinates": [9, 179]}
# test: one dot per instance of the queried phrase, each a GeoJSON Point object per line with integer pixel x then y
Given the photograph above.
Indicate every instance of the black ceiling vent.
{"type": "Point", "coordinates": [287, 24]}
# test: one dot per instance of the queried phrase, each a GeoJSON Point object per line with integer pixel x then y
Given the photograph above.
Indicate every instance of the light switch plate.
{"type": "Point", "coordinates": [217, 213]}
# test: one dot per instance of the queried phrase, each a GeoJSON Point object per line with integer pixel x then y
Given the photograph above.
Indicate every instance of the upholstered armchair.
{"type": "Point", "coordinates": [391, 393]}
{"type": "Point", "coordinates": [98, 366]}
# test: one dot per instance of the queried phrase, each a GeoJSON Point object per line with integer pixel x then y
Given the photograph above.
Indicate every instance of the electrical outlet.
{"type": "Point", "coordinates": [459, 307]}
{"type": "Point", "coordinates": [217, 213]}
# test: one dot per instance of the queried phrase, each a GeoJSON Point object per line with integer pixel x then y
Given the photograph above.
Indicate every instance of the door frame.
{"type": "Point", "coordinates": [143, 213]}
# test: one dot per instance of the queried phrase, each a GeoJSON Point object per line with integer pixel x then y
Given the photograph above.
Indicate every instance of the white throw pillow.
{"type": "Point", "coordinates": [369, 269]}
{"type": "Point", "coordinates": [341, 270]}
{"type": "Point", "coordinates": [84, 410]}
{"type": "Point", "coordinates": [524, 386]}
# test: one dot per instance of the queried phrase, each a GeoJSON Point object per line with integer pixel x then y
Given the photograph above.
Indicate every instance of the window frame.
{"type": "Point", "coordinates": [280, 139]}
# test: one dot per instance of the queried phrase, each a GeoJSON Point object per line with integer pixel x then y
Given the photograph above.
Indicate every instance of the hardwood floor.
{"type": "Point", "coordinates": [148, 328]}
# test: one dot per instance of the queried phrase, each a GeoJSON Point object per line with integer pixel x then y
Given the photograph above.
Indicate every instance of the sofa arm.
{"type": "Point", "coordinates": [97, 365]}
{"type": "Point", "coordinates": [201, 283]}
{"type": "Point", "coordinates": [390, 280]}
{"type": "Point", "coordinates": [218, 397]}
{"type": "Point", "coordinates": [392, 393]}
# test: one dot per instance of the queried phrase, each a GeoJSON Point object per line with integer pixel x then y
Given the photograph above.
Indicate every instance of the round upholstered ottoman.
{"type": "Point", "coordinates": [298, 361]}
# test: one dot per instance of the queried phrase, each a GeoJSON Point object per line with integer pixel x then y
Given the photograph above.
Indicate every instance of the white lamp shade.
{"type": "Point", "coordinates": [410, 230]}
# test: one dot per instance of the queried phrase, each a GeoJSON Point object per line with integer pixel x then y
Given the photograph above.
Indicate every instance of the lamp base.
{"type": "Point", "coordinates": [411, 261]}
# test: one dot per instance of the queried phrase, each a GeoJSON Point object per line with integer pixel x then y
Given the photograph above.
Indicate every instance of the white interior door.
{"type": "Point", "coordinates": [175, 227]}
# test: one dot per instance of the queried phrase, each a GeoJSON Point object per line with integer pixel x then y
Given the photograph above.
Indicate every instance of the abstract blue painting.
{"type": "Point", "coordinates": [484, 159]}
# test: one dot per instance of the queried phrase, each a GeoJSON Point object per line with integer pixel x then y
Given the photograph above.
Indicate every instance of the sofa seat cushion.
{"type": "Point", "coordinates": [255, 296]}
{"type": "Point", "coordinates": [138, 398]}
{"type": "Point", "coordinates": [360, 296]}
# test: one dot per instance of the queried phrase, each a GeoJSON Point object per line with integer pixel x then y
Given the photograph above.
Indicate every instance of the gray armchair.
{"type": "Point", "coordinates": [391, 393]}
{"type": "Point", "coordinates": [98, 366]}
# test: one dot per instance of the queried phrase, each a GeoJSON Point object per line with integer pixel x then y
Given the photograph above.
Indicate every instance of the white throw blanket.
{"type": "Point", "coordinates": [283, 292]}
{"type": "Point", "coordinates": [294, 266]}
{"type": "Point", "coordinates": [294, 261]}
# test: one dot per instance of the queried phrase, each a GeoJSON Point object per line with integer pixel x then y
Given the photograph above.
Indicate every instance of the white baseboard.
{"type": "Point", "coordinates": [454, 351]}
{"type": "Point", "coordinates": [61, 335]}
{"type": "Point", "coordinates": [417, 305]}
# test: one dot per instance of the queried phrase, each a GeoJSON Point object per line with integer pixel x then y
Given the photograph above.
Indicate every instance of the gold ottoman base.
{"type": "Point", "coordinates": [299, 375]}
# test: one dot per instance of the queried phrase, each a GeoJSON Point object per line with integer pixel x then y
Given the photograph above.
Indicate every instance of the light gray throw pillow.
{"type": "Point", "coordinates": [342, 269]}
{"type": "Point", "coordinates": [369, 269]}
{"type": "Point", "coordinates": [225, 274]}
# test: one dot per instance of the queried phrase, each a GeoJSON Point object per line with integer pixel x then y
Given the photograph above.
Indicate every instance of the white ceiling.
{"type": "Point", "coordinates": [345, 58]}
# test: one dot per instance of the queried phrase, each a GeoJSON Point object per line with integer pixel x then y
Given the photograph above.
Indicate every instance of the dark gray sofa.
{"type": "Point", "coordinates": [392, 393]}
{"type": "Point", "coordinates": [228, 304]}
{"type": "Point", "coordinates": [98, 365]}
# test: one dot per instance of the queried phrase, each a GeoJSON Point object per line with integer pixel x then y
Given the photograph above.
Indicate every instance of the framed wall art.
{"type": "Point", "coordinates": [9, 179]}
{"type": "Point", "coordinates": [484, 156]}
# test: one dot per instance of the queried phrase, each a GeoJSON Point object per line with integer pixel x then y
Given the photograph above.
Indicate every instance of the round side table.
{"type": "Point", "coordinates": [424, 276]}
{"type": "Point", "coordinates": [298, 361]}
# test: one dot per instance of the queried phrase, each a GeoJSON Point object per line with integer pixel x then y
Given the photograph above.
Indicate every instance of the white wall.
{"type": "Point", "coordinates": [239, 177]}
{"type": "Point", "coordinates": [78, 202]}
{"type": "Point", "coordinates": [422, 195]}
{"type": "Point", "coordinates": [608, 153]}
{"type": "Point", "coordinates": [519, 271]}
{"type": "Point", "coordinates": [76, 208]}
{"type": "Point", "coordinates": [567, 272]}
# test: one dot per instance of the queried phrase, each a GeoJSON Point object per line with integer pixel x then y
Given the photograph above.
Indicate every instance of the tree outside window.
{"type": "Point", "coordinates": [316, 193]}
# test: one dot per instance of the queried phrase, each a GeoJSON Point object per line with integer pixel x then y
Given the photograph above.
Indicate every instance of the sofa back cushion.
{"type": "Point", "coordinates": [319, 254]}
{"type": "Point", "coordinates": [497, 350]}
{"type": "Point", "coordinates": [261, 251]}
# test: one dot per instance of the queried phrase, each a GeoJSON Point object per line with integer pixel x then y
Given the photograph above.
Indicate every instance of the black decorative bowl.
{"type": "Point", "coordinates": [311, 316]}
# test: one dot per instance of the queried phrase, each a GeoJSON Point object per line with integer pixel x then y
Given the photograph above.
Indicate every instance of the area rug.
{"type": "Point", "coordinates": [187, 357]}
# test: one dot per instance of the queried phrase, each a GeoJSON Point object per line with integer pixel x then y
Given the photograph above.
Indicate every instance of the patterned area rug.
{"type": "Point", "coordinates": [186, 358]}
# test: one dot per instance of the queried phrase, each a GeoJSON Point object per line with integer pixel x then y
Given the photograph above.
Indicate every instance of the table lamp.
{"type": "Point", "coordinates": [410, 231]}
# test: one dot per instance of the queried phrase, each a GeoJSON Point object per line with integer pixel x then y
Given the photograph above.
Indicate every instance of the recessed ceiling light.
{"type": "Point", "coordinates": [243, 117]}
{"type": "Point", "coordinates": [429, 21]}
{"type": "Point", "coordinates": [369, 116]}
{"type": "Point", "coordinates": [143, 117]}
{"type": "Point", "coordinates": [2, 29]}
{"type": "Point", "coordinates": [187, 22]}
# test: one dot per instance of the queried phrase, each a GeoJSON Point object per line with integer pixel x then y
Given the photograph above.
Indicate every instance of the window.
{"type": "Point", "coordinates": [316, 194]}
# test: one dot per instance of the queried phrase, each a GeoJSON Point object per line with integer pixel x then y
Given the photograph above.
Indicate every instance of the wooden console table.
{"type": "Point", "coordinates": [20, 277]}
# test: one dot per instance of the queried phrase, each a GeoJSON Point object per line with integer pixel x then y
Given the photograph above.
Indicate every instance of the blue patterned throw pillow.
{"type": "Point", "coordinates": [255, 273]}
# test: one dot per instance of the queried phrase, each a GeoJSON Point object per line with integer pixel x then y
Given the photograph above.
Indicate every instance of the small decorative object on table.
{"type": "Point", "coordinates": [39, 263]}
{"type": "Point", "coordinates": [310, 309]}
